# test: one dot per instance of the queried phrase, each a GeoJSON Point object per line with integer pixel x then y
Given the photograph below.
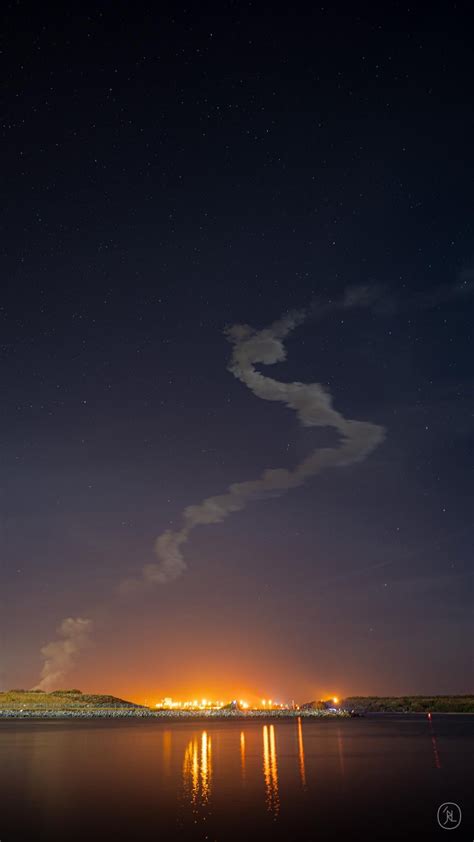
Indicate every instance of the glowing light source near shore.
{"type": "Point", "coordinates": [207, 704]}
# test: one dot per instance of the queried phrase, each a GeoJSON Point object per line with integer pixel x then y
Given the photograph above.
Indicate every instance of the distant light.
{"type": "Point", "coordinates": [335, 700]}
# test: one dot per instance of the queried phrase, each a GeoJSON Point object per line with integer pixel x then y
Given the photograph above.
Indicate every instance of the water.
{"type": "Point", "coordinates": [375, 778]}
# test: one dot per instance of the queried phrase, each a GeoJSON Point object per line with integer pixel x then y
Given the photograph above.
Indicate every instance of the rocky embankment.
{"type": "Point", "coordinates": [148, 713]}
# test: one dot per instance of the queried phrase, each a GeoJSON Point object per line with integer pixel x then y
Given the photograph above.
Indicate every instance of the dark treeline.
{"type": "Point", "coordinates": [409, 704]}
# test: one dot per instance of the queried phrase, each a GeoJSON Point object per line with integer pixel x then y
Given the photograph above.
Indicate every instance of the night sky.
{"type": "Point", "coordinates": [167, 173]}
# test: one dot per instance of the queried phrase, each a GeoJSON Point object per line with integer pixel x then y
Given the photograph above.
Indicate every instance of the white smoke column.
{"type": "Point", "coordinates": [60, 655]}
{"type": "Point", "coordinates": [313, 406]}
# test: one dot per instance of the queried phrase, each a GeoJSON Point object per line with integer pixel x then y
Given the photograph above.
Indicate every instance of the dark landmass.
{"type": "Point", "coordinates": [72, 704]}
{"type": "Point", "coordinates": [66, 700]}
{"type": "Point", "coordinates": [410, 704]}
{"type": "Point", "coordinates": [400, 704]}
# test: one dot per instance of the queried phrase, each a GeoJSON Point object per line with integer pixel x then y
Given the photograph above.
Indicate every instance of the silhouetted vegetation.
{"type": "Point", "coordinates": [58, 699]}
{"type": "Point", "coordinates": [409, 704]}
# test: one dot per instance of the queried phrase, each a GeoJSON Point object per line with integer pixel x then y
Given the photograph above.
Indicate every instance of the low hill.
{"type": "Point", "coordinates": [35, 700]}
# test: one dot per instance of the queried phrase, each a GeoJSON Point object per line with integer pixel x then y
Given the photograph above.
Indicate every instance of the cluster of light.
{"type": "Point", "coordinates": [207, 704]}
{"type": "Point", "coordinates": [269, 704]}
{"type": "Point", "coordinates": [203, 704]}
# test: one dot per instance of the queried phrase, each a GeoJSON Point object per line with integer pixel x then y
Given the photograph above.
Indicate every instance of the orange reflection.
{"type": "Point", "coordinates": [301, 753]}
{"type": "Point", "coordinates": [167, 751]}
{"type": "Point", "coordinates": [197, 769]}
{"type": "Point", "coordinates": [242, 754]}
{"type": "Point", "coordinates": [340, 747]}
{"type": "Point", "coordinates": [434, 744]}
{"type": "Point", "coordinates": [205, 765]}
{"type": "Point", "coordinates": [270, 770]}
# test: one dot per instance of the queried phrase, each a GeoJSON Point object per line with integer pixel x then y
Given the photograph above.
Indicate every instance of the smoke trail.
{"type": "Point", "coordinates": [313, 406]}
{"type": "Point", "coordinates": [60, 655]}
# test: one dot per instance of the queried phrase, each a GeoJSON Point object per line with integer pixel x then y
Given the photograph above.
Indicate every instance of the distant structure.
{"type": "Point", "coordinates": [233, 705]}
{"type": "Point", "coordinates": [202, 705]}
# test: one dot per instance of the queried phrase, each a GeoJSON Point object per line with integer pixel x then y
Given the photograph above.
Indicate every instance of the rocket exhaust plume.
{"type": "Point", "coordinates": [60, 655]}
{"type": "Point", "coordinates": [313, 406]}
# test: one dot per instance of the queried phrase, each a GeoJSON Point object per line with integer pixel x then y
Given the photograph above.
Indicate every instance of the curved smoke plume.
{"type": "Point", "coordinates": [60, 655]}
{"type": "Point", "coordinates": [313, 406]}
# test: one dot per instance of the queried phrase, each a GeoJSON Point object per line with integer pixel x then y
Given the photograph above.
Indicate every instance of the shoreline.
{"type": "Point", "coordinates": [166, 716]}
{"type": "Point", "coordinates": [210, 716]}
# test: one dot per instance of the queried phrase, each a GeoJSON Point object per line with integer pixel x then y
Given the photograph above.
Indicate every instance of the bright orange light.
{"type": "Point", "coordinates": [335, 700]}
{"type": "Point", "coordinates": [205, 704]}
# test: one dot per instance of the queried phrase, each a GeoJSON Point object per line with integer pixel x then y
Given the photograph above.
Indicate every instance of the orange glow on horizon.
{"type": "Point", "coordinates": [290, 698]}
{"type": "Point", "coordinates": [202, 703]}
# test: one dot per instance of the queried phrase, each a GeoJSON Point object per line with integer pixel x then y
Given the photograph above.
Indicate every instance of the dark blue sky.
{"type": "Point", "coordinates": [167, 174]}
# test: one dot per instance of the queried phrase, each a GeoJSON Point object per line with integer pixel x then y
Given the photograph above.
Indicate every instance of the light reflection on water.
{"type": "Point", "coordinates": [198, 767]}
{"type": "Point", "coordinates": [242, 755]}
{"type": "Point", "coordinates": [301, 754]}
{"type": "Point", "coordinates": [229, 780]}
{"type": "Point", "coordinates": [197, 770]}
{"type": "Point", "coordinates": [270, 770]}
{"type": "Point", "coordinates": [434, 743]}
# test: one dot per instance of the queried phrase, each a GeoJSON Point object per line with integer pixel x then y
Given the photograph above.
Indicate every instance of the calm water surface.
{"type": "Point", "coordinates": [375, 778]}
